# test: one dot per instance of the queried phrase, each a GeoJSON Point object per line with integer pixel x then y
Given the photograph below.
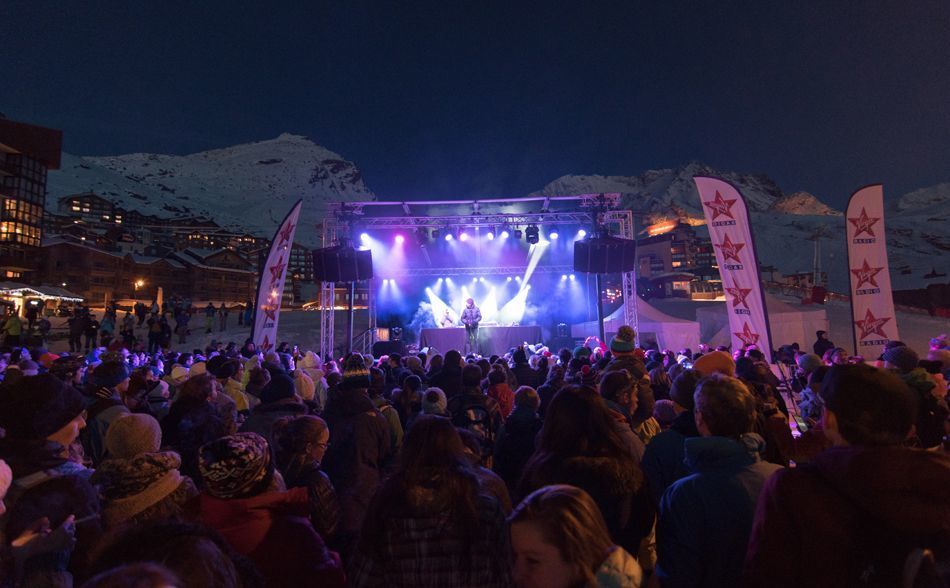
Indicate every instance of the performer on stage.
{"type": "Point", "coordinates": [471, 316]}
{"type": "Point", "coordinates": [447, 321]}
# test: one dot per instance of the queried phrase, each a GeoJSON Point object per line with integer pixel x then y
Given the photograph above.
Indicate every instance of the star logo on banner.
{"type": "Point", "coordinates": [277, 270]}
{"type": "Point", "coordinates": [269, 312]}
{"type": "Point", "coordinates": [266, 345]}
{"type": "Point", "coordinates": [872, 325]}
{"type": "Point", "coordinates": [730, 250]}
{"type": "Point", "coordinates": [747, 336]}
{"type": "Point", "coordinates": [864, 223]}
{"type": "Point", "coordinates": [738, 295]}
{"type": "Point", "coordinates": [286, 233]}
{"type": "Point", "coordinates": [866, 275]}
{"type": "Point", "coordinates": [720, 206]}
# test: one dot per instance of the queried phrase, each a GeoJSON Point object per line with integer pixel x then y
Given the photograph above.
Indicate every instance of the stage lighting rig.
{"type": "Point", "coordinates": [517, 233]}
{"type": "Point", "coordinates": [422, 235]}
{"type": "Point", "coordinates": [531, 234]}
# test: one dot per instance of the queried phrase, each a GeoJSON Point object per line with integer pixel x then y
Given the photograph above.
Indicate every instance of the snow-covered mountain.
{"type": "Point", "coordinates": [250, 186]}
{"type": "Point", "coordinates": [784, 226]}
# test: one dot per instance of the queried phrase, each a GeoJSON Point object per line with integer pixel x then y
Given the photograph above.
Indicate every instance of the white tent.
{"type": "Point", "coordinates": [788, 324]}
{"type": "Point", "coordinates": [653, 325]}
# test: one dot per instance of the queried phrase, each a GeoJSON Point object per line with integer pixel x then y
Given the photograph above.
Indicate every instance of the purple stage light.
{"type": "Point", "coordinates": [504, 234]}
{"type": "Point", "coordinates": [364, 237]}
{"type": "Point", "coordinates": [563, 277]}
{"type": "Point", "coordinates": [572, 277]}
{"type": "Point", "coordinates": [400, 239]}
{"type": "Point", "coordinates": [553, 235]}
{"type": "Point", "coordinates": [491, 236]}
{"type": "Point", "coordinates": [449, 237]}
{"type": "Point", "coordinates": [581, 234]}
{"type": "Point", "coordinates": [463, 237]}
{"type": "Point", "coordinates": [508, 279]}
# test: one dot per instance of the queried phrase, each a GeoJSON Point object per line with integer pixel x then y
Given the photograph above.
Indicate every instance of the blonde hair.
{"type": "Point", "coordinates": [570, 520]}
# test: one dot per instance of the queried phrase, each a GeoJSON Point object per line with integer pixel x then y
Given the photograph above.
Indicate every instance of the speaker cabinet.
{"type": "Point", "coordinates": [342, 264]}
{"type": "Point", "coordinates": [605, 255]}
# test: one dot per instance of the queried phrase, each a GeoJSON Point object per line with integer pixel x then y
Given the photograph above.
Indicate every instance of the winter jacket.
{"type": "Point", "coordinates": [324, 505]}
{"type": "Point", "coordinates": [645, 400]}
{"type": "Point", "coordinates": [449, 380]}
{"type": "Point", "coordinates": [821, 346]}
{"type": "Point", "coordinates": [615, 484]}
{"type": "Point", "coordinates": [931, 411]}
{"type": "Point", "coordinates": [146, 487]}
{"type": "Point", "coordinates": [359, 447]}
{"type": "Point", "coordinates": [515, 445]}
{"type": "Point", "coordinates": [706, 518]}
{"type": "Point", "coordinates": [827, 523]}
{"type": "Point", "coordinates": [391, 415]}
{"type": "Point", "coordinates": [474, 396]}
{"type": "Point", "coordinates": [262, 418]}
{"type": "Point", "coordinates": [272, 530]}
{"type": "Point", "coordinates": [526, 376]}
{"type": "Point", "coordinates": [621, 420]}
{"type": "Point", "coordinates": [619, 570]}
{"type": "Point", "coordinates": [28, 456]}
{"type": "Point", "coordinates": [662, 462]}
{"type": "Point", "coordinates": [547, 391]}
{"type": "Point", "coordinates": [102, 409]}
{"type": "Point", "coordinates": [422, 546]}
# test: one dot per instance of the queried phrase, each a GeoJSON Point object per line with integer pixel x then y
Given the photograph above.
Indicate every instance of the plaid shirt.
{"type": "Point", "coordinates": [425, 551]}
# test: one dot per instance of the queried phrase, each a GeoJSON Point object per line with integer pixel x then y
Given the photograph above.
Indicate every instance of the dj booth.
{"type": "Point", "coordinates": [491, 339]}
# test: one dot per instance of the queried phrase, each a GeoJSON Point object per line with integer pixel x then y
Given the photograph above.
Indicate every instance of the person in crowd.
{"type": "Point", "coordinates": [407, 400]}
{"type": "Point", "coordinates": [474, 411]}
{"type": "Point", "coordinates": [242, 500]}
{"type": "Point", "coordinates": [491, 483]}
{"type": "Point", "coordinates": [499, 390]}
{"type": "Point", "coordinates": [107, 383]}
{"type": "Point", "coordinates": [436, 363]}
{"type": "Point", "coordinates": [434, 402]}
{"type": "Point", "coordinates": [559, 540]}
{"type": "Point", "coordinates": [311, 365]}
{"type": "Point", "coordinates": [618, 389]}
{"type": "Point", "coordinates": [90, 331]}
{"type": "Point", "coordinates": [625, 357]}
{"type": "Point", "coordinates": [385, 407]}
{"type": "Point", "coordinates": [229, 371]}
{"type": "Point", "coordinates": [932, 412]}
{"type": "Point", "coordinates": [41, 417]}
{"type": "Point", "coordinates": [210, 312]}
{"type": "Point", "coordinates": [822, 344]}
{"type": "Point", "coordinates": [449, 378]}
{"type": "Point", "coordinates": [193, 421]}
{"type": "Point", "coordinates": [278, 400]}
{"type": "Point", "coordinates": [300, 444]}
{"type": "Point", "coordinates": [430, 524]}
{"type": "Point", "coordinates": [524, 374]}
{"type": "Point", "coordinates": [705, 518]}
{"type": "Point", "coordinates": [515, 443]}
{"type": "Point", "coordinates": [860, 511]}
{"type": "Point", "coordinates": [360, 445]}
{"type": "Point", "coordinates": [138, 482]}
{"type": "Point", "coordinates": [835, 356]}
{"type": "Point", "coordinates": [579, 445]}
{"type": "Point", "coordinates": [550, 387]}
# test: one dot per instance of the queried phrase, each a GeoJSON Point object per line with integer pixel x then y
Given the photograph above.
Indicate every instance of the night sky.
{"type": "Point", "coordinates": [462, 99]}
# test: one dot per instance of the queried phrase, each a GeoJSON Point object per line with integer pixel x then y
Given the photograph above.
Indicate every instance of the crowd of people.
{"type": "Point", "coordinates": [605, 465]}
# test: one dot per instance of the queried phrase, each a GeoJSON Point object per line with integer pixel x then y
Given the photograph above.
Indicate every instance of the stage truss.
{"type": "Point", "coordinates": [590, 210]}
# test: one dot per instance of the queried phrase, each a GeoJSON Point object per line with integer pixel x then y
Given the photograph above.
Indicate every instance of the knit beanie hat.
{"type": "Point", "coordinates": [902, 357]}
{"type": "Point", "coordinates": [715, 361]}
{"type": "Point", "coordinates": [214, 364]}
{"type": "Point", "coordinates": [236, 466]}
{"type": "Point", "coordinates": [809, 362]}
{"type": "Point", "coordinates": [471, 376]}
{"type": "Point", "coordinates": [681, 392]}
{"type": "Point", "coordinates": [109, 374]}
{"type": "Point", "coordinates": [304, 385]}
{"type": "Point", "coordinates": [179, 375]}
{"type": "Point", "coordinates": [198, 368]}
{"type": "Point", "coordinates": [623, 342]}
{"type": "Point", "coordinates": [280, 387]}
{"type": "Point", "coordinates": [582, 352]}
{"type": "Point", "coordinates": [224, 369]}
{"type": "Point", "coordinates": [35, 407]}
{"type": "Point", "coordinates": [47, 359]}
{"type": "Point", "coordinates": [29, 367]}
{"type": "Point", "coordinates": [587, 377]}
{"type": "Point", "coordinates": [496, 377]}
{"type": "Point", "coordinates": [434, 402]}
{"type": "Point", "coordinates": [133, 434]}
{"type": "Point", "coordinates": [355, 374]}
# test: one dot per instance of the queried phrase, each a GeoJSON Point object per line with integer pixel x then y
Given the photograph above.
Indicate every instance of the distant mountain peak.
{"type": "Point", "coordinates": [803, 203]}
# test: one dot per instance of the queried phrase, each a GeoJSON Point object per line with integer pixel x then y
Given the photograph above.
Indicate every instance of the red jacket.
{"type": "Point", "coordinates": [504, 397]}
{"type": "Point", "coordinates": [272, 530]}
{"type": "Point", "coordinates": [826, 523]}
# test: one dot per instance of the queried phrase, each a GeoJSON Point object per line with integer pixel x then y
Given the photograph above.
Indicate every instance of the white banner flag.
{"type": "Point", "coordinates": [727, 217]}
{"type": "Point", "coordinates": [270, 288]}
{"type": "Point", "coordinates": [872, 303]}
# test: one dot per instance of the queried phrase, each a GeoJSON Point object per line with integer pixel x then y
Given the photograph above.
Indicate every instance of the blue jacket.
{"type": "Point", "coordinates": [662, 462]}
{"type": "Point", "coordinates": [706, 518]}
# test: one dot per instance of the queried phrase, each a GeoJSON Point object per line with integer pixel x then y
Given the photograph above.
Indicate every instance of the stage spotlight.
{"type": "Point", "coordinates": [581, 234]}
{"type": "Point", "coordinates": [364, 237]}
{"type": "Point", "coordinates": [448, 280]}
{"type": "Point", "coordinates": [572, 277]}
{"type": "Point", "coordinates": [449, 237]}
{"type": "Point", "coordinates": [563, 277]}
{"type": "Point", "coordinates": [474, 280]}
{"type": "Point", "coordinates": [400, 239]}
{"type": "Point", "coordinates": [504, 234]}
{"type": "Point", "coordinates": [518, 278]}
{"type": "Point", "coordinates": [490, 235]}
{"type": "Point", "coordinates": [463, 236]}
{"type": "Point", "coordinates": [440, 280]}
{"type": "Point", "coordinates": [531, 234]}
{"type": "Point", "coordinates": [481, 279]}
{"type": "Point", "coordinates": [517, 233]}
{"type": "Point", "coordinates": [508, 279]}
{"type": "Point", "coordinates": [553, 235]}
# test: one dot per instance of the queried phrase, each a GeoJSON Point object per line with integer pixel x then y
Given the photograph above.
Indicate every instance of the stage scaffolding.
{"type": "Point", "coordinates": [346, 219]}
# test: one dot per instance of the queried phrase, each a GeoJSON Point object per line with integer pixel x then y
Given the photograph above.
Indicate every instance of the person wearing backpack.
{"type": "Point", "coordinates": [473, 411]}
{"type": "Point", "coordinates": [861, 510]}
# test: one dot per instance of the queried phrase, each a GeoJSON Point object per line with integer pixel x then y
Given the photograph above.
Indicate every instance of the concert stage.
{"type": "Point", "coordinates": [491, 339]}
